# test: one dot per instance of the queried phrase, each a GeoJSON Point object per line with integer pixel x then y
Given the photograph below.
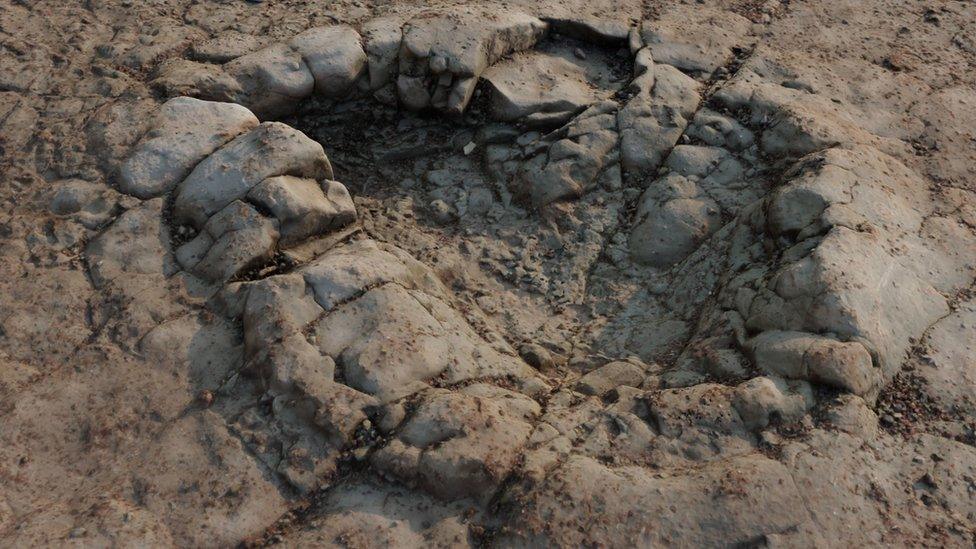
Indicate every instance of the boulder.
{"type": "Point", "coordinates": [610, 376]}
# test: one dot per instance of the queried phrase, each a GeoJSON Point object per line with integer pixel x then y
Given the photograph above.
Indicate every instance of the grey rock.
{"type": "Point", "coordinates": [609, 377]}
{"type": "Point", "coordinates": [720, 131]}
{"type": "Point", "coordinates": [304, 207]}
{"type": "Point", "coordinates": [412, 92]}
{"type": "Point", "coordinates": [185, 131]}
{"type": "Point", "coordinates": [762, 400]}
{"type": "Point", "coordinates": [273, 80]}
{"type": "Point", "coordinates": [818, 359]}
{"type": "Point", "coordinates": [442, 212]}
{"type": "Point", "coordinates": [445, 53]}
{"type": "Point", "coordinates": [241, 238]}
{"type": "Point", "coordinates": [381, 38]}
{"type": "Point", "coordinates": [652, 122]}
{"type": "Point", "coordinates": [570, 159]}
{"type": "Point", "coordinates": [669, 232]}
{"type": "Point", "coordinates": [852, 415]}
{"type": "Point", "coordinates": [536, 82]}
{"type": "Point", "coordinates": [347, 271]}
{"type": "Point", "coordinates": [335, 57]}
{"type": "Point", "coordinates": [270, 150]}
{"type": "Point", "coordinates": [537, 356]}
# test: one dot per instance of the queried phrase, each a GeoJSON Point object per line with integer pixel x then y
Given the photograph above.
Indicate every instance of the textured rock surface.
{"type": "Point", "coordinates": [333, 55]}
{"type": "Point", "coordinates": [186, 131]}
{"type": "Point", "coordinates": [272, 149]}
{"type": "Point", "coordinates": [586, 273]}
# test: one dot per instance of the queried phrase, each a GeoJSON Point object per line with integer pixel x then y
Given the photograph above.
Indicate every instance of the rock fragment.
{"type": "Point", "coordinates": [609, 377]}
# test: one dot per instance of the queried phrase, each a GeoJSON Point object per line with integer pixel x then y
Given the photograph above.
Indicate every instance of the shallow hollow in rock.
{"type": "Point", "coordinates": [516, 102]}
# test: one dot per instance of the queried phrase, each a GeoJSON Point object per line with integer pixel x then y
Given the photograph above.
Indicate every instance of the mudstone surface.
{"type": "Point", "coordinates": [488, 274]}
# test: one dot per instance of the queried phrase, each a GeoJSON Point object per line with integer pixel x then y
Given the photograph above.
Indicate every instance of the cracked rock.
{"type": "Point", "coordinates": [459, 445]}
{"type": "Point", "coordinates": [232, 241]}
{"type": "Point", "coordinates": [333, 55]}
{"type": "Point", "coordinates": [270, 150]}
{"type": "Point", "coordinates": [304, 207]}
{"type": "Point", "coordinates": [273, 80]}
{"type": "Point", "coordinates": [185, 132]}
{"type": "Point", "coordinates": [442, 56]}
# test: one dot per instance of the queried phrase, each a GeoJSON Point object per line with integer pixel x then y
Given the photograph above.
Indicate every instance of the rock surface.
{"type": "Point", "coordinates": [577, 273]}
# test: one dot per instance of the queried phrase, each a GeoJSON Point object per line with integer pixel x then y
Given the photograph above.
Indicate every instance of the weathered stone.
{"type": "Point", "coordinates": [334, 55]}
{"type": "Point", "coordinates": [666, 233]}
{"type": "Point", "coordinates": [766, 500]}
{"type": "Point", "coordinates": [445, 54]}
{"type": "Point", "coordinates": [273, 80]}
{"type": "Point", "coordinates": [763, 400]}
{"type": "Point", "coordinates": [818, 359]}
{"type": "Point", "coordinates": [135, 243]}
{"type": "Point", "coordinates": [651, 123]}
{"type": "Point", "coordinates": [536, 82]}
{"type": "Point", "coordinates": [720, 131]}
{"type": "Point", "coordinates": [698, 45]}
{"type": "Point", "coordinates": [91, 204]}
{"type": "Point", "coordinates": [381, 37]}
{"type": "Point", "coordinates": [609, 377]}
{"type": "Point", "coordinates": [303, 207]}
{"type": "Point", "coordinates": [241, 238]}
{"type": "Point", "coordinates": [182, 77]}
{"type": "Point", "coordinates": [570, 159]}
{"type": "Point", "coordinates": [458, 445]}
{"type": "Point", "coordinates": [185, 132]}
{"type": "Point", "coordinates": [270, 150]}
